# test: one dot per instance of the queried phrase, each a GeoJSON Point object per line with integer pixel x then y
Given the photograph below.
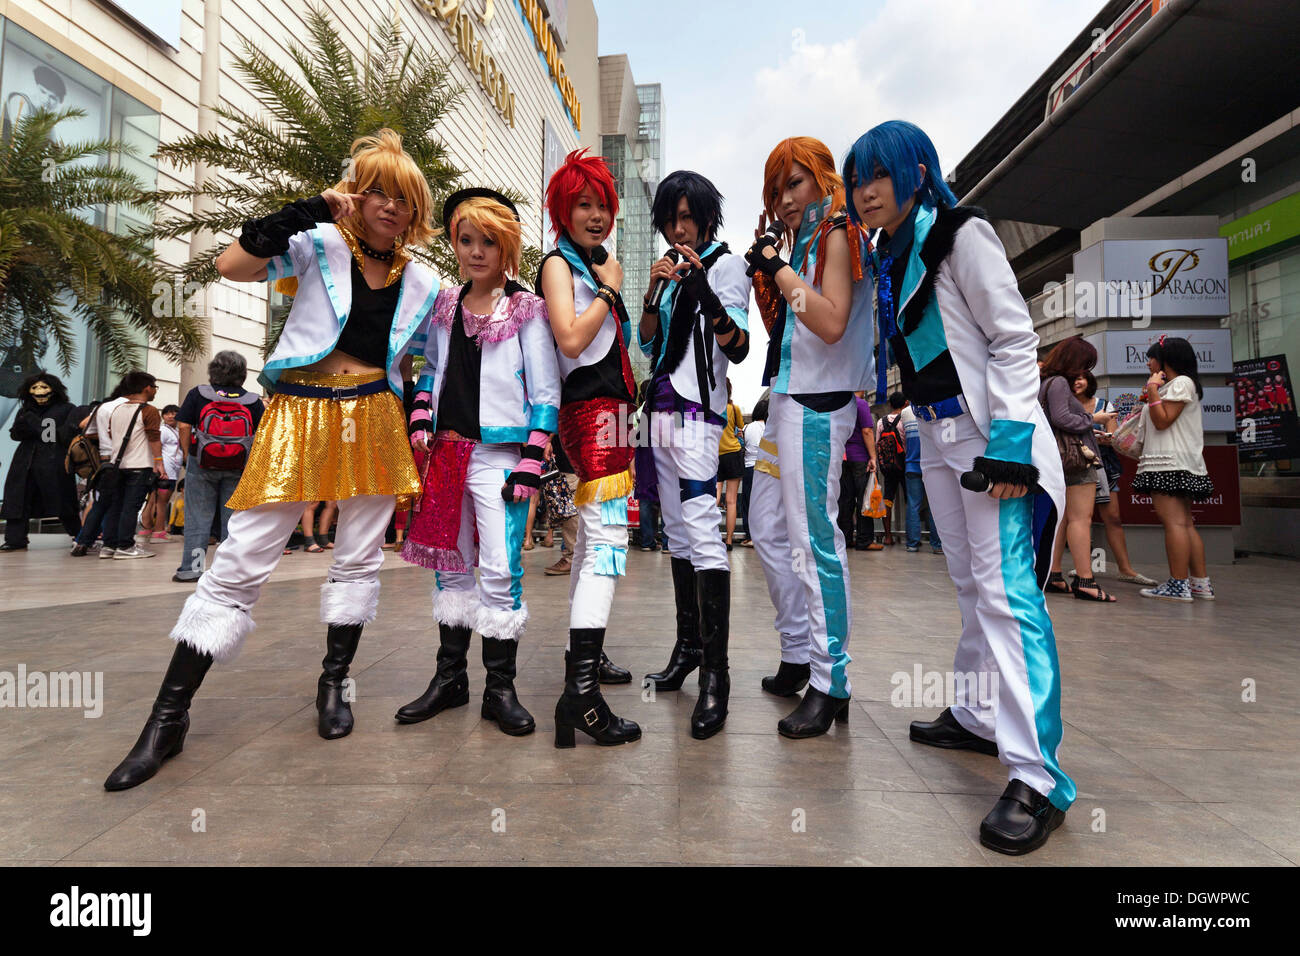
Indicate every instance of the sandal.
{"type": "Point", "coordinates": [1056, 584]}
{"type": "Point", "coordinates": [1080, 584]}
{"type": "Point", "coordinates": [313, 548]}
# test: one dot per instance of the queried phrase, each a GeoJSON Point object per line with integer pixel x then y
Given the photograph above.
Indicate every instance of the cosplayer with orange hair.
{"type": "Point", "coordinates": [581, 282]}
{"type": "Point", "coordinates": [334, 429]}
{"type": "Point", "coordinates": [817, 307]}
{"type": "Point", "coordinates": [485, 407]}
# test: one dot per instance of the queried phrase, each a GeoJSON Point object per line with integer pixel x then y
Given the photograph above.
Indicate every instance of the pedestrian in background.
{"type": "Point", "coordinates": [135, 442]}
{"type": "Point", "coordinates": [915, 485]}
{"type": "Point", "coordinates": [859, 465]}
{"type": "Point", "coordinates": [753, 434]}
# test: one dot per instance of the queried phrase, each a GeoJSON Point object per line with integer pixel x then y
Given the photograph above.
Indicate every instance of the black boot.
{"type": "Point", "coordinates": [686, 652]}
{"type": "Point", "coordinates": [611, 673]}
{"type": "Point", "coordinates": [581, 706]}
{"type": "Point", "coordinates": [500, 702]}
{"type": "Point", "coordinates": [1021, 821]}
{"type": "Point", "coordinates": [710, 712]}
{"type": "Point", "coordinates": [789, 679]}
{"type": "Point", "coordinates": [450, 686]}
{"type": "Point", "coordinates": [164, 732]}
{"type": "Point", "coordinates": [814, 714]}
{"type": "Point", "coordinates": [947, 733]}
{"type": "Point", "coordinates": [335, 714]}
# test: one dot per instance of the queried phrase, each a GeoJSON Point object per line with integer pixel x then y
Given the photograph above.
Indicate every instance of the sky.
{"type": "Point", "coordinates": [738, 78]}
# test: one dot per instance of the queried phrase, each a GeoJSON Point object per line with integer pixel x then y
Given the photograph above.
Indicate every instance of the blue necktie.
{"type": "Point", "coordinates": [886, 319]}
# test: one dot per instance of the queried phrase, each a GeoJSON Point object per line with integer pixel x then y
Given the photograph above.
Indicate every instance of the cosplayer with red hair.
{"type": "Point", "coordinates": [580, 282]}
{"type": "Point", "coordinates": [817, 307]}
{"type": "Point", "coordinates": [485, 407]}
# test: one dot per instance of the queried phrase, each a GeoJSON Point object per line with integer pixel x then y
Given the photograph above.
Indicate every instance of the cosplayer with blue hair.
{"type": "Point", "coordinates": [952, 318]}
{"type": "Point", "coordinates": [694, 323]}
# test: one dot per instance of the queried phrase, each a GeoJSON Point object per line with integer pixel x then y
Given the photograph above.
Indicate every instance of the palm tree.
{"type": "Point", "coordinates": [56, 265]}
{"type": "Point", "coordinates": [298, 148]}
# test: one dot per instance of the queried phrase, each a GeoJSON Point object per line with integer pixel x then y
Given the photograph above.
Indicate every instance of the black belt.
{"type": "Point", "coordinates": [332, 392]}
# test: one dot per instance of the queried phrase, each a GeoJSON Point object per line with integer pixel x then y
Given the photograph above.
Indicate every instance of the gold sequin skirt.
{"type": "Point", "coordinates": [320, 449]}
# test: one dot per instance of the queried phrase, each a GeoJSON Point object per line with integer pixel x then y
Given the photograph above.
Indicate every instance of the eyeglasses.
{"type": "Point", "coordinates": [401, 205]}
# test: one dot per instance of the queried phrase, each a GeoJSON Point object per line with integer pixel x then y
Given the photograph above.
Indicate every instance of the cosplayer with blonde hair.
{"type": "Point", "coordinates": [692, 330]}
{"type": "Point", "coordinates": [817, 307]}
{"type": "Point", "coordinates": [951, 317]}
{"type": "Point", "coordinates": [581, 282]}
{"type": "Point", "coordinates": [334, 428]}
{"type": "Point", "coordinates": [486, 404]}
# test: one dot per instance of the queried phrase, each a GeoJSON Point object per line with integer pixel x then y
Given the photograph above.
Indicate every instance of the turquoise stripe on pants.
{"type": "Point", "coordinates": [1015, 527]}
{"type": "Point", "coordinates": [817, 460]}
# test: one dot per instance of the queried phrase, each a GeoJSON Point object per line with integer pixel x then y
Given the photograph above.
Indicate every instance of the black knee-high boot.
{"type": "Point", "coordinates": [450, 685]}
{"type": "Point", "coordinates": [500, 703]}
{"type": "Point", "coordinates": [334, 713]}
{"type": "Point", "coordinates": [686, 652]}
{"type": "Point", "coordinates": [164, 732]}
{"type": "Point", "coordinates": [710, 712]}
{"type": "Point", "coordinates": [581, 706]}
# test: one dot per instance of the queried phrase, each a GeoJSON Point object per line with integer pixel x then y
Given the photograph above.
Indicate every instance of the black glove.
{"type": "Point", "coordinates": [771, 266]}
{"type": "Point", "coordinates": [269, 236]}
{"type": "Point", "coordinates": [698, 282]}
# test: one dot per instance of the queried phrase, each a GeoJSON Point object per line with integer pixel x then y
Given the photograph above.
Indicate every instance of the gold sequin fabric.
{"type": "Point", "coordinates": [318, 449]}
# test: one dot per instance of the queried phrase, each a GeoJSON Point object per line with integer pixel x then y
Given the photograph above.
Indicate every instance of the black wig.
{"type": "Point", "coordinates": [58, 391]}
{"type": "Point", "coordinates": [702, 198]}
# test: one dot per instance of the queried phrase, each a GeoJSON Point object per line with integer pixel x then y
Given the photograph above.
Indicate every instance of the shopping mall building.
{"type": "Point", "coordinates": [149, 71]}
{"type": "Point", "coordinates": [1148, 184]}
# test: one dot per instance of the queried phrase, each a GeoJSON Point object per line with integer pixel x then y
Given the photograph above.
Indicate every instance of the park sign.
{"type": "Point", "coordinates": [1151, 278]}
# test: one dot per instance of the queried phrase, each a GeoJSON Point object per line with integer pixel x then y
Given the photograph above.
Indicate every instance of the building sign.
{"type": "Point", "coordinates": [460, 26]}
{"type": "Point", "coordinates": [549, 52]}
{"type": "Point", "coordinates": [1124, 352]}
{"type": "Point", "coordinates": [1146, 278]}
{"type": "Point", "coordinates": [1267, 428]}
{"type": "Point", "coordinates": [1218, 411]}
{"type": "Point", "coordinates": [1223, 509]}
{"type": "Point", "coordinates": [1276, 222]}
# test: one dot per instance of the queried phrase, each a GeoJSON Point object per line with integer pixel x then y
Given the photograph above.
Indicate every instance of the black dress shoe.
{"type": "Point", "coordinates": [814, 715]}
{"type": "Point", "coordinates": [12, 547]}
{"type": "Point", "coordinates": [1021, 821]}
{"type": "Point", "coordinates": [947, 733]}
{"type": "Point", "coordinates": [789, 679]}
{"type": "Point", "coordinates": [611, 673]}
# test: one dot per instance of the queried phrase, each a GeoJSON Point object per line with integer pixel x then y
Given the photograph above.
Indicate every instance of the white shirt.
{"type": "Point", "coordinates": [1178, 447]}
{"type": "Point", "coordinates": [753, 435]}
{"type": "Point", "coordinates": [100, 426]}
{"type": "Point", "coordinates": [171, 449]}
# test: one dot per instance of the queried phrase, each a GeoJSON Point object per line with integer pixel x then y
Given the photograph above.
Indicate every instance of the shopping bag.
{"type": "Point", "coordinates": [873, 503]}
{"type": "Point", "coordinates": [1130, 436]}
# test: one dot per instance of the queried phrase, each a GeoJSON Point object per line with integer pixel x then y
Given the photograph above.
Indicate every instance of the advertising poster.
{"type": "Point", "coordinates": [1267, 427]}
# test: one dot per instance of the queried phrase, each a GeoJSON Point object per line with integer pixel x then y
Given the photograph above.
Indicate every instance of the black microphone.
{"type": "Point", "coordinates": [657, 290]}
{"type": "Point", "coordinates": [600, 255]}
{"type": "Point", "coordinates": [775, 229]}
{"type": "Point", "coordinates": [975, 481]}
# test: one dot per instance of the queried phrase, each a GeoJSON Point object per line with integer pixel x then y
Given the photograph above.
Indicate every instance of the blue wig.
{"type": "Point", "coordinates": [702, 199]}
{"type": "Point", "coordinates": [898, 147]}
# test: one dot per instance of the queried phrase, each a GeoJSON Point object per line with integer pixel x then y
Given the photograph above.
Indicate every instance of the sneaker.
{"type": "Point", "coordinates": [1171, 590]}
{"type": "Point", "coordinates": [911, 549]}
{"type": "Point", "coordinates": [1202, 590]}
{"type": "Point", "coordinates": [106, 552]}
{"type": "Point", "coordinates": [562, 566]}
{"type": "Point", "coordinates": [184, 580]}
{"type": "Point", "coordinates": [937, 550]}
{"type": "Point", "coordinates": [136, 552]}
{"type": "Point", "coordinates": [79, 550]}
{"type": "Point", "coordinates": [1137, 577]}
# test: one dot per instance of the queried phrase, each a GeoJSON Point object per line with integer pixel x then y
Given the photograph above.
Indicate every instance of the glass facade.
{"type": "Point", "coordinates": [651, 131]}
{"type": "Point", "coordinates": [635, 235]}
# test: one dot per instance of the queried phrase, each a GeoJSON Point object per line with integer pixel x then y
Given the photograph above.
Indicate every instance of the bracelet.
{"type": "Point", "coordinates": [606, 295]}
{"type": "Point", "coordinates": [645, 305]}
{"type": "Point", "coordinates": [1158, 401]}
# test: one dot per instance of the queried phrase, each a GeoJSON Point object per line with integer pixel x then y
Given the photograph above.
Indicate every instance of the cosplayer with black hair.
{"type": "Point", "coordinates": [580, 282]}
{"type": "Point", "coordinates": [952, 318]}
{"type": "Point", "coordinates": [486, 404]}
{"type": "Point", "coordinates": [694, 323]}
{"type": "Point", "coordinates": [334, 429]}
{"type": "Point", "coordinates": [38, 486]}
{"type": "Point", "coordinates": [817, 308]}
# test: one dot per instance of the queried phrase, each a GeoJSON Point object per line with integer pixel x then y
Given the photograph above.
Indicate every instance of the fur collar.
{"type": "Point", "coordinates": [934, 250]}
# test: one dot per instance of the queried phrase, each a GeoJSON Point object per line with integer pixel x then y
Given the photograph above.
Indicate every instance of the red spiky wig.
{"type": "Point", "coordinates": [579, 172]}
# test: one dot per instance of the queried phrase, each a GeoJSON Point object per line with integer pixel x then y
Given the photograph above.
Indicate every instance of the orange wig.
{"type": "Point", "coordinates": [813, 155]}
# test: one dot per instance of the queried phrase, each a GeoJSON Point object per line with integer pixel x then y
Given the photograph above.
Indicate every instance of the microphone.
{"type": "Point", "coordinates": [775, 229]}
{"type": "Point", "coordinates": [657, 292]}
{"type": "Point", "coordinates": [600, 255]}
{"type": "Point", "coordinates": [975, 481]}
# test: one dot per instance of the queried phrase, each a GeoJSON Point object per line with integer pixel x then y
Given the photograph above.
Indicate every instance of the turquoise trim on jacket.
{"type": "Point", "coordinates": [813, 214]}
{"type": "Point", "coordinates": [544, 418]}
{"type": "Point", "coordinates": [1011, 441]}
{"type": "Point", "coordinates": [503, 434]}
{"type": "Point", "coordinates": [928, 341]}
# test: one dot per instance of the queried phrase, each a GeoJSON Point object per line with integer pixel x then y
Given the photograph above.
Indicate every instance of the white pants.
{"type": "Point", "coordinates": [1006, 633]}
{"type": "Point", "coordinates": [771, 537]}
{"type": "Point", "coordinates": [599, 560]}
{"type": "Point", "coordinates": [810, 449]}
{"type": "Point", "coordinates": [686, 467]}
{"type": "Point", "coordinates": [216, 616]}
{"type": "Point", "coordinates": [495, 607]}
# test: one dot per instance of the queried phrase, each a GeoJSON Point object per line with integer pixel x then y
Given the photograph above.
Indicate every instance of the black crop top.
{"type": "Point", "coordinates": [370, 320]}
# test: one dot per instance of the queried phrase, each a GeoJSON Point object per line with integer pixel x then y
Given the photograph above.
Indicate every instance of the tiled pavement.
{"type": "Point", "coordinates": [1173, 767]}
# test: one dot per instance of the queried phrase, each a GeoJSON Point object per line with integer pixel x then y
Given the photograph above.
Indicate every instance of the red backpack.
{"type": "Point", "coordinates": [891, 450]}
{"type": "Point", "coordinates": [224, 433]}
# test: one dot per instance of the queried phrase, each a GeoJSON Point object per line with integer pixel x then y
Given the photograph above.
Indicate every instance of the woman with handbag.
{"type": "Point", "coordinates": [1080, 458]}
